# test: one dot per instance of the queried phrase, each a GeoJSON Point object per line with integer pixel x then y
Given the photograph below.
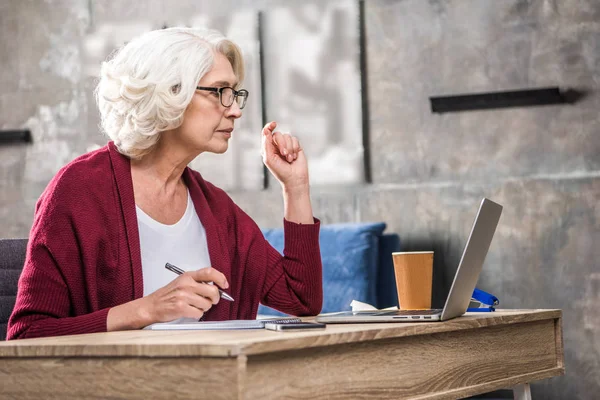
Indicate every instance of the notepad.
{"type": "Point", "coordinates": [219, 325]}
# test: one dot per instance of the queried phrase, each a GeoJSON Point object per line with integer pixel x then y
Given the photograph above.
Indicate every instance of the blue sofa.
{"type": "Point", "coordinates": [357, 265]}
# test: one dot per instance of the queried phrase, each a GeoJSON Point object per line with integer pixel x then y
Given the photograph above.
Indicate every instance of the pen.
{"type": "Point", "coordinates": [179, 271]}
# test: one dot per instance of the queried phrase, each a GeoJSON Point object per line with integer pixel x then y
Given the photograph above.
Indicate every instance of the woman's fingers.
{"type": "Point", "coordinates": [192, 312]}
{"type": "Point", "coordinates": [189, 293]}
{"type": "Point", "coordinates": [287, 145]}
{"type": "Point", "coordinates": [280, 143]}
{"type": "Point", "coordinates": [269, 128]}
{"type": "Point", "coordinates": [201, 284]}
{"type": "Point", "coordinates": [200, 301]}
{"type": "Point", "coordinates": [210, 275]}
{"type": "Point", "coordinates": [210, 292]}
{"type": "Point", "coordinates": [268, 146]}
{"type": "Point", "coordinates": [295, 146]}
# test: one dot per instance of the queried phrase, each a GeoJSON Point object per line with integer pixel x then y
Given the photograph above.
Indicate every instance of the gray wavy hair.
{"type": "Point", "coordinates": [146, 86]}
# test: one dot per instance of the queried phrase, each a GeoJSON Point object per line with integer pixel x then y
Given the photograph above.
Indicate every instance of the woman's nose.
{"type": "Point", "coordinates": [233, 111]}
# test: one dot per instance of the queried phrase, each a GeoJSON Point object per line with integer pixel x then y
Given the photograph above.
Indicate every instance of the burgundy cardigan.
{"type": "Point", "coordinates": [83, 255]}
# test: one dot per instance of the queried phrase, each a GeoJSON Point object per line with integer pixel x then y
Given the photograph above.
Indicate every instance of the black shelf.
{"type": "Point", "coordinates": [482, 101]}
{"type": "Point", "coordinates": [15, 136]}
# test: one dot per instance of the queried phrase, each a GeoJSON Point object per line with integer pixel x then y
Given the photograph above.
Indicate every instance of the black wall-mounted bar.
{"type": "Point", "coordinates": [263, 93]}
{"type": "Point", "coordinates": [15, 136]}
{"type": "Point", "coordinates": [364, 90]}
{"type": "Point", "coordinates": [481, 101]}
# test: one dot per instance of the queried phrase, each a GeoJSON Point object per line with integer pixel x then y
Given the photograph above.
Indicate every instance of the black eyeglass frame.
{"type": "Point", "coordinates": [242, 92]}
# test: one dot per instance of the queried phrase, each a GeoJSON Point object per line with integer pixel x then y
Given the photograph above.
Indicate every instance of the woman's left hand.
{"type": "Point", "coordinates": [284, 157]}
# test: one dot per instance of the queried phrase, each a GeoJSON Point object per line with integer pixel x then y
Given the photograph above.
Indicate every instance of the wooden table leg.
{"type": "Point", "coordinates": [522, 392]}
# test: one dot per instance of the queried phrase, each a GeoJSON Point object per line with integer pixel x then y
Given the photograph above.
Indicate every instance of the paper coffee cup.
{"type": "Point", "coordinates": [414, 279]}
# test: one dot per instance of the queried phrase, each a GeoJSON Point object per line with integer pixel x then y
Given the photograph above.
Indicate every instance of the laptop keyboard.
{"type": "Point", "coordinates": [419, 312]}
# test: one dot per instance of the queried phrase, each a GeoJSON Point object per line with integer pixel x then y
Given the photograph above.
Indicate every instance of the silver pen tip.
{"type": "Point", "coordinates": [226, 296]}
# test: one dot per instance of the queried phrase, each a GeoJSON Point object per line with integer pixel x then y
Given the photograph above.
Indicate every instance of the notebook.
{"type": "Point", "coordinates": [219, 325]}
{"type": "Point", "coordinates": [462, 287]}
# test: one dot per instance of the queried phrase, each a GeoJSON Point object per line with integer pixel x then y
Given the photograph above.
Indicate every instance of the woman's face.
{"type": "Point", "coordinates": [207, 124]}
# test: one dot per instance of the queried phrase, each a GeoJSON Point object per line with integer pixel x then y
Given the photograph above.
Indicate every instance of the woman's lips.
{"type": "Point", "coordinates": [226, 132]}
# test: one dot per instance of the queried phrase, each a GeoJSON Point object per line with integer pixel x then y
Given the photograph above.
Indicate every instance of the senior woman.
{"type": "Point", "coordinates": [110, 220]}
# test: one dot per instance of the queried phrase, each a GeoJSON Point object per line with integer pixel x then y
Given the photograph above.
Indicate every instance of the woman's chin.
{"type": "Point", "coordinates": [214, 146]}
{"type": "Point", "coordinates": [220, 149]}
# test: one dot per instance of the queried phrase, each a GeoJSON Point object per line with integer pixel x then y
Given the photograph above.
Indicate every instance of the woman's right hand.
{"type": "Point", "coordinates": [189, 295]}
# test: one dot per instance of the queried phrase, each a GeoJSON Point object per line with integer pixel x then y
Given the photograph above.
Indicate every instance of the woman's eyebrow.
{"type": "Point", "coordinates": [223, 83]}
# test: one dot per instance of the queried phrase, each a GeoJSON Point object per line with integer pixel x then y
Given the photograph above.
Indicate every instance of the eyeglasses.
{"type": "Point", "coordinates": [227, 95]}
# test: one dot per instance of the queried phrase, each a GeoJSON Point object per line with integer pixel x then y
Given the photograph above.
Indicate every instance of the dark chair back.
{"type": "Point", "coordinates": [387, 295]}
{"type": "Point", "coordinates": [12, 259]}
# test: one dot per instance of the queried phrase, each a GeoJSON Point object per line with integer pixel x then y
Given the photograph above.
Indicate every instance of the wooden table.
{"type": "Point", "coordinates": [465, 356]}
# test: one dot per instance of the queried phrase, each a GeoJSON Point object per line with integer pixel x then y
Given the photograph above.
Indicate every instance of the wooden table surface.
{"type": "Point", "coordinates": [476, 353]}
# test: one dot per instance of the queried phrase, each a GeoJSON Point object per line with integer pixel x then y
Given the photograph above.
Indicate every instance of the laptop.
{"type": "Point", "coordinates": [462, 287]}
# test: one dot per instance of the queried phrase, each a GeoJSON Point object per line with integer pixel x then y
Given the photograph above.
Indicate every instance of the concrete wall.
{"type": "Point", "coordinates": [430, 171]}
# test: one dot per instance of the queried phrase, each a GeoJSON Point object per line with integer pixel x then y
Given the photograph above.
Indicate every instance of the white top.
{"type": "Point", "coordinates": [182, 244]}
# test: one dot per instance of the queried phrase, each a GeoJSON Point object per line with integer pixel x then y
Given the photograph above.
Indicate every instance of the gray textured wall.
{"type": "Point", "coordinates": [429, 171]}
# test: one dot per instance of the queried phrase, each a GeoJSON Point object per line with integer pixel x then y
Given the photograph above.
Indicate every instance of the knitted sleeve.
{"type": "Point", "coordinates": [52, 292]}
{"type": "Point", "coordinates": [294, 282]}
{"type": "Point", "coordinates": [291, 283]}
{"type": "Point", "coordinates": [43, 304]}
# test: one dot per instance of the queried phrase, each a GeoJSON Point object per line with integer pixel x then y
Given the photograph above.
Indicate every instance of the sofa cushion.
{"type": "Point", "coordinates": [350, 255]}
{"type": "Point", "coordinates": [12, 258]}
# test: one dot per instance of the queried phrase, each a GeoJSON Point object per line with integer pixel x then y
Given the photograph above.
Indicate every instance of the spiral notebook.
{"type": "Point", "coordinates": [219, 325]}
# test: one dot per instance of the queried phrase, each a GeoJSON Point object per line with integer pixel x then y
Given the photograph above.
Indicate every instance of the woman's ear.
{"type": "Point", "coordinates": [175, 89]}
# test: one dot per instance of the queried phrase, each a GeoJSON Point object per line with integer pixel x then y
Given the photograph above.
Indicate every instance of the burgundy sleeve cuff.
{"type": "Point", "coordinates": [88, 323]}
{"type": "Point", "coordinates": [298, 236]}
